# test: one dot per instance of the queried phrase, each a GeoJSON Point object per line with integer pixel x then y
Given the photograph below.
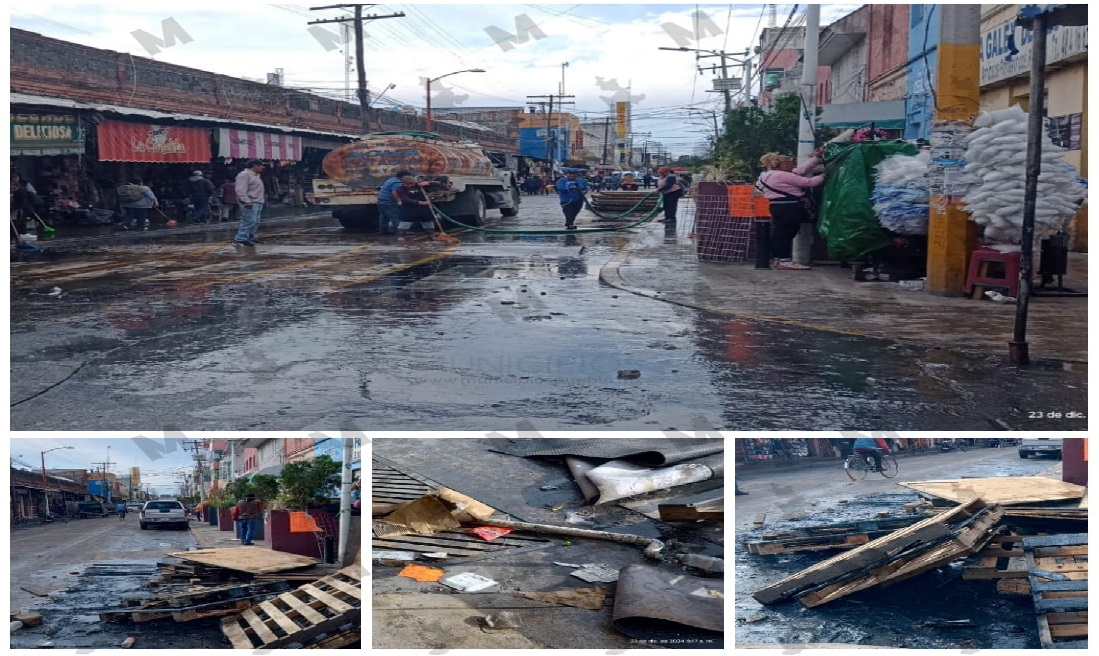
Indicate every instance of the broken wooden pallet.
{"type": "Point", "coordinates": [902, 554]}
{"type": "Point", "coordinates": [1058, 566]}
{"type": "Point", "coordinates": [194, 603]}
{"type": "Point", "coordinates": [1003, 490]}
{"type": "Point", "coordinates": [338, 641]}
{"type": "Point", "coordinates": [713, 509]}
{"type": "Point", "coordinates": [1002, 558]}
{"type": "Point", "coordinates": [835, 536]}
{"type": "Point", "coordinates": [315, 611]}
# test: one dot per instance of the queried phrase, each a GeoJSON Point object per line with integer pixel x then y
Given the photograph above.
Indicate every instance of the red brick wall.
{"type": "Point", "coordinates": [43, 66]}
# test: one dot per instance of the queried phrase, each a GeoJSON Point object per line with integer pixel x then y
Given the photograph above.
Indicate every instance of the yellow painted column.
{"type": "Point", "coordinates": [951, 235]}
{"type": "Point", "coordinates": [1081, 243]}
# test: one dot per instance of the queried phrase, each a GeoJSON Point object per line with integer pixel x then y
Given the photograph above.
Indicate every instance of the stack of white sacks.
{"type": "Point", "coordinates": [901, 196]}
{"type": "Point", "coordinates": [996, 162]}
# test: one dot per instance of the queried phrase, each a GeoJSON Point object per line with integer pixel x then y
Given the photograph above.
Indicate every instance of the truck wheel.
{"type": "Point", "coordinates": [514, 209]}
{"type": "Point", "coordinates": [360, 219]}
{"type": "Point", "coordinates": [479, 210]}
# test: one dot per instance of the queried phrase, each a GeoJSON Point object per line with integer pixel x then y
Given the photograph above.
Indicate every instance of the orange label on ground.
{"type": "Point", "coordinates": [421, 573]}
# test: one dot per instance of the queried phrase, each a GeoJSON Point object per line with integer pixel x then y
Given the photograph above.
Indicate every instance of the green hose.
{"type": "Point", "coordinates": [496, 231]}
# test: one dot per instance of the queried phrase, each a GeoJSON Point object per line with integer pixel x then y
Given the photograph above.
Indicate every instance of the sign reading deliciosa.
{"type": "Point", "coordinates": [46, 134]}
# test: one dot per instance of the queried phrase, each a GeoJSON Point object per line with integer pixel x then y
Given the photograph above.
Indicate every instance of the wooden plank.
{"type": "Point", "coordinates": [328, 599]}
{"type": "Point", "coordinates": [254, 560]}
{"type": "Point", "coordinates": [258, 626]}
{"type": "Point", "coordinates": [922, 534]}
{"type": "Point", "coordinates": [758, 521]}
{"type": "Point", "coordinates": [1055, 540]}
{"type": "Point", "coordinates": [1013, 586]}
{"type": "Point", "coordinates": [1003, 490]}
{"type": "Point", "coordinates": [303, 608]}
{"type": "Point", "coordinates": [198, 614]}
{"type": "Point", "coordinates": [288, 625]}
{"type": "Point", "coordinates": [1068, 630]}
{"type": "Point", "coordinates": [353, 590]}
{"type": "Point", "coordinates": [338, 641]}
{"type": "Point", "coordinates": [711, 509]}
{"type": "Point", "coordinates": [231, 628]}
{"type": "Point", "coordinates": [1084, 500]}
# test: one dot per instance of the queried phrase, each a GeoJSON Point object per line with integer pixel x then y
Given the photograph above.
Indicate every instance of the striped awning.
{"type": "Point", "coordinates": [246, 144]}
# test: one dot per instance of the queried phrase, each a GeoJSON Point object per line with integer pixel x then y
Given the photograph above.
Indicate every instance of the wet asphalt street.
{"type": "Point", "coordinates": [87, 566]}
{"type": "Point", "coordinates": [882, 616]}
{"type": "Point", "coordinates": [318, 328]}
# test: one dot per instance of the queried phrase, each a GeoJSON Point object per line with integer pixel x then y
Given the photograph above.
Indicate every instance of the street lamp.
{"type": "Point", "coordinates": [436, 79]}
{"type": "Point", "coordinates": [45, 494]}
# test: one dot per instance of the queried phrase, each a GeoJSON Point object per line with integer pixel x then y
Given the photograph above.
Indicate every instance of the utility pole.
{"type": "Point", "coordinates": [725, 89]}
{"type": "Point", "coordinates": [950, 235]}
{"type": "Point", "coordinates": [551, 141]}
{"type": "Point", "coordinates": [806, 139]}
{"type": "Point", "coordinates": [364, 97]}
{"type": "Point", "coordinates": [606, 137]}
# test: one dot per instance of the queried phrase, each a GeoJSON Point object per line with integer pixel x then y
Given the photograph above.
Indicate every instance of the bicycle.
{"type": "Point", "coordinates": [857, 465]}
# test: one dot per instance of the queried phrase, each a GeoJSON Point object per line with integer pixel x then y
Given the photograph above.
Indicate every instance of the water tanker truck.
{"type": "Point", "coordinates": [355, 173]}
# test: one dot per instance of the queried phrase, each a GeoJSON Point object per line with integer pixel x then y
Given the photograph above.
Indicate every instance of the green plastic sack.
{"type": "Point", "coordinates": [847, 219]}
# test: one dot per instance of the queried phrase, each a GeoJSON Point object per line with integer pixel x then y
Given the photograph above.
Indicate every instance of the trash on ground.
{"type": "Point", "coordinates": [468, 582]}
{"type": "Point", "coordinates": [422, 573]}
{"type": "Point", "coordinates": [713, 509]}
{"type": "Point", "coordinates": [589, 598]}
{"type": "Point", "coordinates": [392, 558]}
{"type": "Point", "coordinates": [193, 604]}
{"type": "Point", "coordinates": [489, 533]}
{"type": "Point", "coordinates": [28, 618]}
{"type": "Point", "coordinates": [596, 573]}
{"type": "Point", "coordinates": [435, 555]}
{"type": "Point", "coordinates": [948, 624]}
{"type": "Point", "coordinates": [425, 515]}
{"type": "Point", "coordinates": [645, 594]}
{"type": "Point", "coordinates": [502, 620]}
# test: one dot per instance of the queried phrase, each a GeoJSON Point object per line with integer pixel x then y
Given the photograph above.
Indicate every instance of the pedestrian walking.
{"type": "Point", "coordinates": [248, 511]}
{"type": "Point", "coordinates": [250, 196]}
{"type": "Point", "coordinates": [388, 208]}
{"type": "Point", "coordinates": [570, 191]}
{"type": "Point", "coordinates": [414, 207]}
{"type": "Point", "coordinates": [201, 191]}
{"type": "Point", "coordinates": [671, 190]}
{"type": "Point", "coordinates": [136, 200]}
{"type": "Point", "coordinates": [228, 196]}
{"type": "Point", "coordinates": [785, 185]}
{"type": "Point", "coordinates": [648, 179]}
{"type": "Point", "coordinates": [121, 509]}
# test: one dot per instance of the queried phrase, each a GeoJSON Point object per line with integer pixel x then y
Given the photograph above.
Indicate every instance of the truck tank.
{"type": "Point", "coordinates": [368, 163]}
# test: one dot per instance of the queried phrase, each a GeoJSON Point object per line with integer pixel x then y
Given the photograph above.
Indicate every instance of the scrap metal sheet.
{"type": "Point", "coordinates": [649, 599]}
{"type": "Point", "coordinates": [654, 452]}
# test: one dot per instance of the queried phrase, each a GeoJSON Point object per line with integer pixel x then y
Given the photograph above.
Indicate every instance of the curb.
{"type": "Point", "coordinates": [611, 274]}
{"type": "Point", "coordinates": [125, 237]}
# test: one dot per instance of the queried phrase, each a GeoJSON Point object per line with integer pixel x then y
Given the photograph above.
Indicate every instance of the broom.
{"type": "Point", "coordinates": [45, 227]}
{"type": "Point", "coordinates": [171, 223]}
{"type": "Point", "coordinates": [442, 236]}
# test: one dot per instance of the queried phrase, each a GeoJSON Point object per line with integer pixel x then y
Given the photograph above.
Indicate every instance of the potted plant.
{"type": "Point", "coordinates": [219, 505]}
{"type": "Point", "coordinates": [304, 487]}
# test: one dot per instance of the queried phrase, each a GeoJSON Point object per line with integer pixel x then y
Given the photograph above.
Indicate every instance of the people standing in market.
{"type": "Point", "coordinates": [388, 208]}
{"type": "Point", "coordinates": [414, 207]}
{"type": "Point", "coordinates": [201, 191]}
{"type": "Point", "coordinates": [250, 197]}
{"type": "Point", "coordinates": [648, 179]}
{"type": "Point", "coordinates": [571, 190]}
{"type": "Point", "coordinates": [136, 200]}
{"type": "Point", "coordinates": [671, 191]}
{"type": "Point", "coordinates": [785, 185]}
{"type": "Point", "coordinates": [228, 199]}
{"type": "Point", "coordinates": [248, 511]}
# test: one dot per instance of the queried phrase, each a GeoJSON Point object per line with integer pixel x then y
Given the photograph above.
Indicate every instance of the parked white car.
{"type": "Point", "coordinates": [1040, 446]}
{"type": "Point", "coordinates": [163, 512]}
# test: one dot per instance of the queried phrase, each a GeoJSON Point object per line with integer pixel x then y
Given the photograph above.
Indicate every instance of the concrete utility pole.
{"type": "Point", "coordinates": [364, 97]}
{"type": "Point", "coordinates": [551, 141]}
{"type": "Point", "coordinates": [725, 89]}
{"type": "Point", "coordinates": [806, 139]}
{"type": "Point", "coordinates": [950, 235]}
{"type": "Point", "coordinates": [606, 138]}
{"type": "Point", "coordinates": [345, 501]}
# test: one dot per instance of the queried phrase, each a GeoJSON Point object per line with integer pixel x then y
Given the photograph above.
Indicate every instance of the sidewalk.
{"type": "Point", "coordinates": [746, 471]}
{"type": "Point", "coordinates": [209, 537]}
{"type": "Point", "coordinates": [76, 237]}
{"type": "Point", "coordinates": [826, 298]}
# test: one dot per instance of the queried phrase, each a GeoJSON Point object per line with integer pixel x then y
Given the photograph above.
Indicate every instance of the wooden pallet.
{"type": "Point", "coordinates": [1002, 558]}
{"type": "Point", "coordinates": [316, 611]}
{"type": "Point", "coordinates": [819, 538]}
{"type": "Point", "coordinates": [902, 554]}
{"type": "Point", "coordinates": [1058, 574]}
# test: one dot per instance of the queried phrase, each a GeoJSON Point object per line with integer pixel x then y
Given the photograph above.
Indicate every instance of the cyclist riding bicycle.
{"type": "Point", "coordinates": [873, 447]}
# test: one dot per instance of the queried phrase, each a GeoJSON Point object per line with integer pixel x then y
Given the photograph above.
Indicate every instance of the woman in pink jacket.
{"type": "Point", "coordinates": [784, 186]}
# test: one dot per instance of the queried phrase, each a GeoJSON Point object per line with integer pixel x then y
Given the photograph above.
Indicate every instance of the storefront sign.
{"type": "Point", "coordinates": [245, 144]}
{"type": "Point", "coordinates": [1000, 61]}
{"type": "Point", "coordinates": [46, 134]}
{"type": "Point", "coordinates": [1065, 130]}
{"type": "Point", "coordinates": [141, 142]}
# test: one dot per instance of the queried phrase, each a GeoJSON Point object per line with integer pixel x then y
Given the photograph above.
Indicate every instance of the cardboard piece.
{"type": "Point", "coordinates": [462, 503]}
{"type": "Point", "coordinates": [589, 598]}
{"type": "Point", "coordinates": [425, 515]}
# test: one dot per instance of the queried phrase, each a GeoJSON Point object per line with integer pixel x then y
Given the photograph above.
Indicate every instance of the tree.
{"type": "Point", "coordinates": [310, 482]}
{"type": "Point", "coordinates": [751, 132]}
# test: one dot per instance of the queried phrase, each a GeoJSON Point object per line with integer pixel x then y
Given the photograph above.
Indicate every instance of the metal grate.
{"type": "Point", "coordinates": [393, 485]}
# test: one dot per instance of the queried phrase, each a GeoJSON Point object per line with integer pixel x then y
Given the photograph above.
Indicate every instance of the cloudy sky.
{"type": "Point", "coordinates": [162, 461]}
{"type": "Point", "coordinates": [612, 50]}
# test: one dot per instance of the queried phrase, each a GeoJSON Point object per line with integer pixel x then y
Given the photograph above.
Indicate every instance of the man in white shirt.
{"type": "Point", "coordinates": [250, 197]}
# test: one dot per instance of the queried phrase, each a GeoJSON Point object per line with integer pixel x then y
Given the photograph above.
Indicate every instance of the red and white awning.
{"type": "Point", "coordinates": [245, 144]}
